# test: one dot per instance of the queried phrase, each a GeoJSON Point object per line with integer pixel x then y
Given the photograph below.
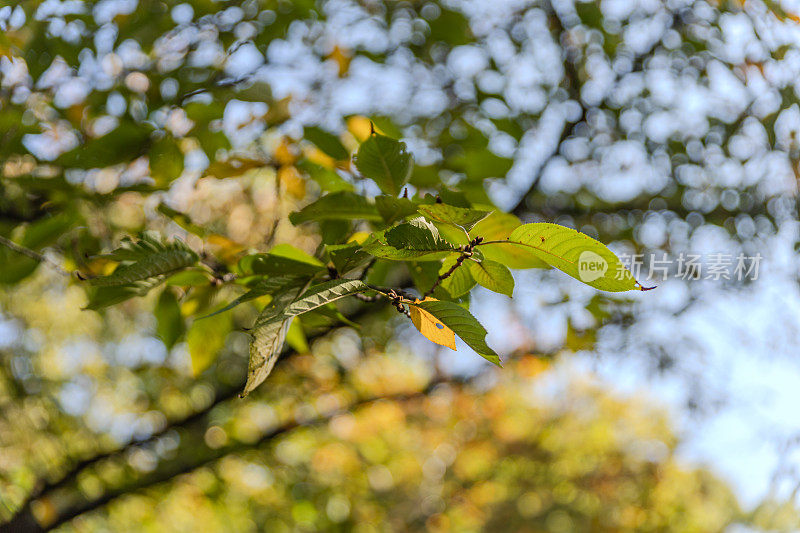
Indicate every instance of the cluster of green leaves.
{"type": "Point", "coordinates": [448, 247]}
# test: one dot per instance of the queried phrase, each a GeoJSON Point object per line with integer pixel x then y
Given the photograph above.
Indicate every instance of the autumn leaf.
{"type": "Point", "coordinates": [431, 327]}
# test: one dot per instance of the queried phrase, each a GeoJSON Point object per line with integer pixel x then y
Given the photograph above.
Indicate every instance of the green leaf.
{"type": "Point", "coordinates": [189, 278]}
{"type": "Point", "coordinates": [385, 161]}
{"type": "Point", "coordinates": [386, 125]}
{"type": "Point", "coordinates": [169, 322]}
{"type": "Point", "coordinates": [125, 143]}
{"type": "Point", "coordinates": [494, 276]}
{"type": "Point", "coordinates": [323, 293]}
{"type": "Point", "coordinates": [181, 219]}
{"type": "Point", "coordinates": [460, 281]}
{"type": "Point", "coordinates": [480, 164]}
{"type": "Point", "coordinates": [327, 142]}
{"type": "Point", "coordinates": [283, 259]}
{"type": "Point", "coordinates": [272, 325]}
{"type": "Point", "coordinates": [205, 339]}
{"type": "Point", "coordinates": [576, 254]}
{"type": "Point", "coordinates": [416, 239]}
{"type": "Point", "coordinates": [15, 266]}
{"type": "Point", "coordinates": [453, 197]}
{"type": "Point", "coordinates": [296, 337]}
{"type": "Point", "coordinates": [347, 257]}
{"type": "Point", "coordinates": [463, 323]}
{"type": "Point", "coordinates": [147, 258]}
{"type": "Point", "coordinates": [327, 179]}
{"type": "Point", "coordinates": [101, 297]}
{"type": "Point", "coordinates": [290, 252]}
{"type": "Point", "coordinates": [334, 231]}
{"type": "Point", "coordinates": [497, 227]}
{"type": "Point", "coordinates": [328, 315]}
{"type": "Point", "coordinates": [392, 209]}
{"type": "Point", "coordinates": [448, 214]}
{"type": "Point", "coordinates": [453, 234]}
{"type": "Point", "coordinates": [418, 235]}
{"type": "Point", "coordinates": [341, 205]}
{"type": "Point", "coordinates": [166, 161]}
{"type": "Point", "coordinates": [263, 287]}
{"type": "Point", "coordinates": [130, 250]}
{"type": "Point", "coordinates": [424, 274]}
{"type": "Point", "coordinates": [451, 27]}
{"type": "Point", "coordinates": [267, 339]}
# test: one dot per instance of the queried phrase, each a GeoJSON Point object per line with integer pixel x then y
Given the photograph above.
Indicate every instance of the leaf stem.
{"type": "Point", "coordinates": [466, 253]}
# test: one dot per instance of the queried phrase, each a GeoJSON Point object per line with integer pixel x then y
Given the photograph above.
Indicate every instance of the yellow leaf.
{"type": "Point", "coordinates": [315, 155]}
{"type": "Point", "coordinates": [284, 153]}
{"type": "Point", "coordinates": [233, 167]}
{"type": "Point", "coordinates": [431, 327]}
{"type": "Point", "coordinates": [291, 181]}
{"type": "Point", "coordinates": [361, 128]}
{"type": "Point", "coordinates": [342, 59]}
{"type": "Point", "coordinates": [223, 247]}
{"type": "Point", "coordinates": [358, 237]}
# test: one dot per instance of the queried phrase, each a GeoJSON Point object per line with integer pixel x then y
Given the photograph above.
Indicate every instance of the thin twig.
{"type": "Point", "coordinates": [466, 253]}
{"type": "Point", "coordinates": [36, 256]}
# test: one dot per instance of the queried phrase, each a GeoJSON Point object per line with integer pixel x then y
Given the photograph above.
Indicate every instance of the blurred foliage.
{"type": "Point", "coordinates": [460, 458]}
{"type": "Point", "coordinates": [642, 123]}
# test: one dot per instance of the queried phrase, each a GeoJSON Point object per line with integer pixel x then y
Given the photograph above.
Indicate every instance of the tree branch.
{"type": "Point", "coordinates": [466, 253]}
{"type": "Point", "coordinates": [36, 256]}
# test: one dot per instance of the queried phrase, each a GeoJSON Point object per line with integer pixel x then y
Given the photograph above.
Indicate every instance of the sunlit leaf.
{"type": "Point", "coordinates": [576, 254]}
{"type": "Point", "coordinates": [462, 323]}
{"type": "Point", "coordinates": [192, 277]}
{"type": "Point", "coordinates": [460, 281]}
{"type": "Point", "coordinates": [497, 227]}
{"type": "Point", "coordinates": [493, 276]}
{"type": "Point", "coordinates": [385, 161]}
{"type": "Point", "coordinates": [181, 219]}
{"type": "Point", "coordinates": [431, 327]}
